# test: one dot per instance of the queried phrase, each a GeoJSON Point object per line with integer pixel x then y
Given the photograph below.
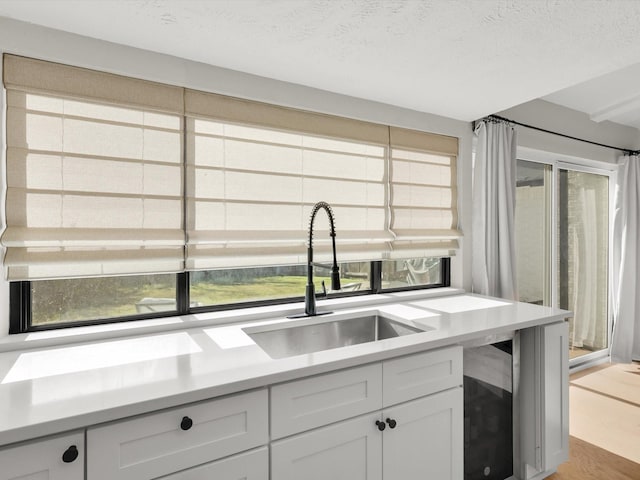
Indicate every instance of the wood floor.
{"type": "Point", "coordinates": [588, 461]}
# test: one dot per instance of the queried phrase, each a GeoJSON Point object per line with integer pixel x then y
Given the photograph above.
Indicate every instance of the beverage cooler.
{"type": "Point", "coordinates": [489, 372]}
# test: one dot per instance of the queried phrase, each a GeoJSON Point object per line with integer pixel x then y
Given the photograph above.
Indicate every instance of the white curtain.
{"type": "Point", "coordinates": [625, 345]}
{"type": "Point", "coordinates": [585, 260]}
{"type": "Point", "coordinates": [494, 186]}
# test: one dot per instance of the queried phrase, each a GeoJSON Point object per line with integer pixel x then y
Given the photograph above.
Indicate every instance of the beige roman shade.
{"type": "Point", "coordinates": [109, 175]}
{"type": "Point", "coordinates": [94, 173]}
{"type": "Point", "coordinates": [423, 193]}
{"type": "Point", "coordinates": [254, 172]}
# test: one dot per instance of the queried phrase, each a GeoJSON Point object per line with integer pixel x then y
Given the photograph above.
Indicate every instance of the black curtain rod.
{"type": "Point", "coordinates": [625, 150]}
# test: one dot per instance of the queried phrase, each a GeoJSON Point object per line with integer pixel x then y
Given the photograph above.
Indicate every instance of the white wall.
{"type": "Point", "coordinates": [43, 43]}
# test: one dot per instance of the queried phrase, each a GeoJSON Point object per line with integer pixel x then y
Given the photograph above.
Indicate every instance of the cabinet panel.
{"type": "Point", "coordinates": [556, 394]}
{"type": "Point", "coordinates": [427, 440]}
{"type": "Point", "coordinates": [253, 465]}
{"type": "Point", "coordinates": [348, 450]}
{"type": "Point", "coordinates": [544, 399]}
{"type": "Point", "coordinates": [422, 374]}
{"type": "Point", "coordinates": [43, 460]}
{"type": "Point", "coordinates": [311, 402]}
{"type": "Point", "coordinates": [162, 443]}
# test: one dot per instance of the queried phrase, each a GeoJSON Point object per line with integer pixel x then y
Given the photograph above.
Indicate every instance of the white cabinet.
{"type": "Point", "coordinates": [421, 374]}
{"type": "Point", "coordinates": [555, 395]}
{"type": "Point", "coordinates": [544, 399]}
{"type": "Point", "coordinates": [427, 441]}
{"type": "Point", "coordinates": [58, 458]}
{"type": "Point", "coordinates": [163, 443]}
{"type": "Point", "coordinates": [252, 465]}
{"type": "Point", "coordinates": [347, 450]}
{"type": "Point", "coordinates": [315, 401]}
{"type": "Point", "coordinates": [419, 438]}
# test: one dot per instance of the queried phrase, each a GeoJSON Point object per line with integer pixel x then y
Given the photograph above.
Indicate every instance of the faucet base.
{"type": "Point", "coordinates": [306, 315]}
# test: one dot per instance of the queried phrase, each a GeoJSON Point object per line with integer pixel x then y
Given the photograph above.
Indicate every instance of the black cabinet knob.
{"type": "Point", "coordinates": [392, 423]}
{"type": "Point", "coordinates": [186, 423]}
{"type": "Point", "coordinates": [381, 425]}
{"type": "Point", "coordinates": [70, 454]}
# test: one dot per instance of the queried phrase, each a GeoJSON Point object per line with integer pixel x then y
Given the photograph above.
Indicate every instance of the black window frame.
{"type": "Point", "coordinates": [20, 301]}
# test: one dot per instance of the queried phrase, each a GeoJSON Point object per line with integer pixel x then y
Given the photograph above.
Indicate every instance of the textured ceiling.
{"type": "Point", "coordinates": [458, 58]}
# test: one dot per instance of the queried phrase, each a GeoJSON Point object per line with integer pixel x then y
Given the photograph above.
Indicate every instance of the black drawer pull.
{"type": "Point", "coordinates": [186, 423]}
{"type": "Point", "coordinates": [70, 454]}
{"type": "Point", "coordinates": [392, 423]}
{"type": "Point", "coordinates": [381, 425]}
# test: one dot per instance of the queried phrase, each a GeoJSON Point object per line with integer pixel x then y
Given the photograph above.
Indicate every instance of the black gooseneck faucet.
{"type": "Point", "coordinates": [310, 291]}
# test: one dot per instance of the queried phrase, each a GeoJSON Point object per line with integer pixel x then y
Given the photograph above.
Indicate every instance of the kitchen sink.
{"type": "Point", "coordinates": [300, 337]}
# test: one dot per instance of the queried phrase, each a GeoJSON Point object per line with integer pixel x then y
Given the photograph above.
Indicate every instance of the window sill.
{"type": "Point", "coordinates": [52, 338]}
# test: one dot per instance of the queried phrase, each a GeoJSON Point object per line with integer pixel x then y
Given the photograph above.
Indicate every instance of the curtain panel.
{"type": "Point", "coordinates": [494, 183]}
{"type": "Point", "coordinates": [625, 344]}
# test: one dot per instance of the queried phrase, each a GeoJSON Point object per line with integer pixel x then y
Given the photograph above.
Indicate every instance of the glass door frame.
{"type": "Point", "coordinates": [565, 162]}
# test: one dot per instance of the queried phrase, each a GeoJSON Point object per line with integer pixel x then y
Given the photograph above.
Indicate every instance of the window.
{"type": "Point", "coordinates": [533, 231]}
{"type": "Point", "coordinates": [257, 284]}
{"type": "Point", "coordinates": [562, 242]}
{"type": "Point", "coordinates": [80, 300]}
{"type": "Point", "coordinates": [413, 272]}
{"type": "Point", "coordinates": [47, 304]}
{"type": "Point", "coordinates": [129, 199]}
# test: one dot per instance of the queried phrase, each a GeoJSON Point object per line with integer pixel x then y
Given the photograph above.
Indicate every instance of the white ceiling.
{"type": "Point", "coordinates": [614, 97]}
{"type": "Point", "coordinates": [457, 58]}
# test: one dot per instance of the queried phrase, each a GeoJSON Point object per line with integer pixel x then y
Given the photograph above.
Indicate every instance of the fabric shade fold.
{"type": "Point", "coordinates": [94, 173]}
{"type": "Point", "coordinates": [110, 175]}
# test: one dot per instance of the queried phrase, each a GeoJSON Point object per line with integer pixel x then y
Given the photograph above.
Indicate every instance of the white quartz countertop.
{"type": "Point", "coordinates": [54, 389]}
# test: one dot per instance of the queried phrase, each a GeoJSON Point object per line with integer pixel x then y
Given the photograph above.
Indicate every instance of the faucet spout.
{"type": "Point", "coordinates": [310, 291]}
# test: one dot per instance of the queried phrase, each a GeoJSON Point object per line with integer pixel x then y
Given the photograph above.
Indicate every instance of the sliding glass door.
{"type": "Point", "coordinates": [563, 229]}
{"type": "Point", "coordinates": [583, 257]}
{"type": "Point", "coordinates": [533, 231]}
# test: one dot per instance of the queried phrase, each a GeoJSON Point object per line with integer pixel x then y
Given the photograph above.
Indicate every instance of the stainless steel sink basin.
{"type": "Point", "coordinates": [302, 337]}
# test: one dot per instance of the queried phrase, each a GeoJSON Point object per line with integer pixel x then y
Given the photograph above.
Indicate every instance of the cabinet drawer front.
{"type": "Point", "coordinates": [304, 404]}
{"type": "Point", "coordinates": [253, 465]}
{"type": "Point", "coordinates": [43, 459]}
{"type": "Point", "coordinates": [347, 450]}
{"type": "Point", "coordinates": [154, 445]}
{"type": "Point", "coordinates": [422, 374]}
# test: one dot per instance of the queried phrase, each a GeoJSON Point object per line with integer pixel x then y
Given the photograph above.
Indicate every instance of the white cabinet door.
{"type": "Point", "coordinates": [253, 465]}
{"type": "Point", "coordinates": [59, 458]}
{"type": "Point", "coordinates": [424, 438]}
{"type": "Point", "coordinates": [555, 395]}
{"type": "Point", "coordinates": [348, 450]}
